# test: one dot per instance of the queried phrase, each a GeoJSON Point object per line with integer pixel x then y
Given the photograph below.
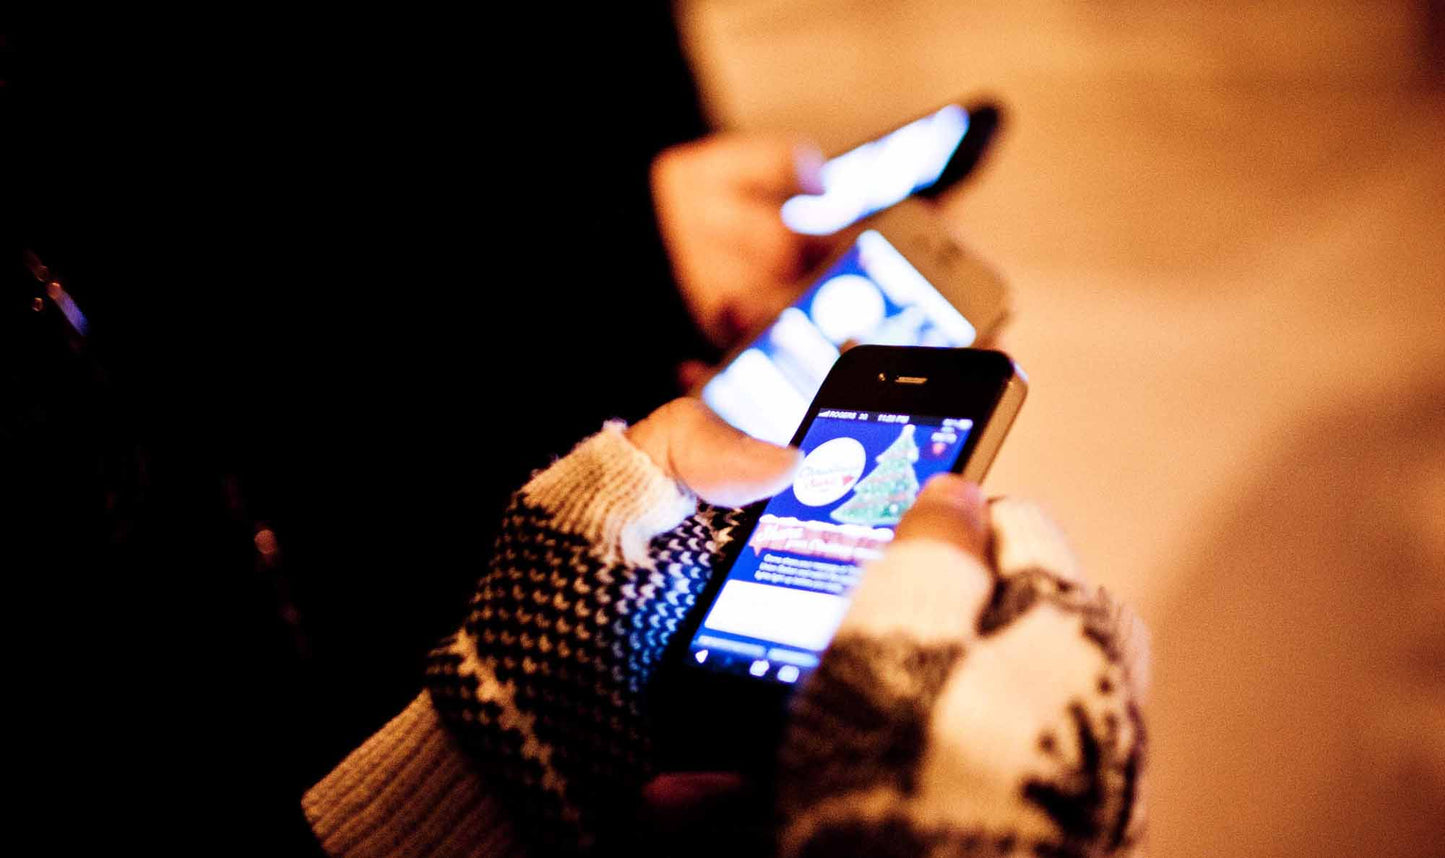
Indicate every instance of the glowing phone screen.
{"type": "Point", "coordinates": [872, 294]}
{"type": "Point", "coordinates": [879, 173]}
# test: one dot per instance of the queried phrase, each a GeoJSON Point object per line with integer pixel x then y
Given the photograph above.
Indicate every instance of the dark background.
{"type": "Point", "coordinates": [350, 277]}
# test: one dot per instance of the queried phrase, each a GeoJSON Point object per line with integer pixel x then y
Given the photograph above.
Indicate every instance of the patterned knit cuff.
{"type": "Point", "coordinates": [928, 590]}
{"type": "Point", "coordinates": [408, 791]}
{"type": "Point", "coordinates": [611, 494]}
{"type": "Point", "coordinates": [1025, 540]}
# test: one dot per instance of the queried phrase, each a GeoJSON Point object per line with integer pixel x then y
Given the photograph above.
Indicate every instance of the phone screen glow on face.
{"type": "Point", "coordinates": [871, 295]}
{"type": "Point", "coordinates": [786, 593]}
{"type": "Point", "coordinates": [878, 174]}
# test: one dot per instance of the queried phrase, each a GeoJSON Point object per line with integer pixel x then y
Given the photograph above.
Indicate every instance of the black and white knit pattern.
{"type": "Point", "coordinates": [965, 707]}
{"type": "Point", "coordinates": [544, 682]}
{"type": "Point", "coordinates": [1013, 733]}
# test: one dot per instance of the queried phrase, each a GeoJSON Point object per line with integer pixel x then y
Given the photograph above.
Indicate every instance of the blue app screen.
{"type": "Point", "coordinates": [786, 593]}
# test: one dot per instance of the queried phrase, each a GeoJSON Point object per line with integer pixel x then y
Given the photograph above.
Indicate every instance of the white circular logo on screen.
{"type": "Point", "coordinates": [829, 472]}
{"type": "Point", "coordinates": [847, 307]}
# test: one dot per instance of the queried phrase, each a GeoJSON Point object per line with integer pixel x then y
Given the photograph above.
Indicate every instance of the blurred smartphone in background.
{"type": "Point", "coordinates": [902, 281]}
{"type": "Point", "coordinates": [923, 158]}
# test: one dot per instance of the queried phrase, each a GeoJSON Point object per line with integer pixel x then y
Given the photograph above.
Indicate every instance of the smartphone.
{"type": "Point", "coordinates": [885, 420]}
{"type": "Point", "coordinates": [923, 157]}
{"type": "Point", "coordinates": [901, 281]}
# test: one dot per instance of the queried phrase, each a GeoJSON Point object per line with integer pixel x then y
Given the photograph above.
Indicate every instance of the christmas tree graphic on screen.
{"type": "Point", "coordinates": [884, 495]}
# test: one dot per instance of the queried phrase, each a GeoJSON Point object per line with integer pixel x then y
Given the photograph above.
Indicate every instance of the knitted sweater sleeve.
{"type": "Point", "coordinates": [529, 732]}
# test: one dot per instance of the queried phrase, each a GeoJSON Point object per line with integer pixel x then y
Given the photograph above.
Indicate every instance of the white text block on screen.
{"type": "Point", "coordinates": [792, 617]}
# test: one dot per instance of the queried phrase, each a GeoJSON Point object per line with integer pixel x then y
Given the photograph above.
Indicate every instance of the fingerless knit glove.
{"type": "Point", "coordinates": [971, 711]}
{"type": "Point", "coordinates": [531, 734]}
{"type": "Point", "coordinates": [963, 708]}
{"type": "Point", "coordinates": [544, 683]}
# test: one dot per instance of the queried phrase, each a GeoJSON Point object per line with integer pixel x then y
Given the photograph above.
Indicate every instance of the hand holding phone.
{"type": "Point", "coordinates": [885, 420]}
{"type": "Point", "coordinates": [741, 214]}
{"type": "Point", "coordinates": [717, 203]}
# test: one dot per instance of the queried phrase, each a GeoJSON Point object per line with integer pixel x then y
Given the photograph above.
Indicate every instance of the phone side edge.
{"type": "Point", "coordinates": [968, 282]}
{"type": "Point", "coordinates": [997, 428]}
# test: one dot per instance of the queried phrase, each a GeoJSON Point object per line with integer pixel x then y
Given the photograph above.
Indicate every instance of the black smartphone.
{"type": "Point", "coordinates": [924, 157]}
{"type": "Point", "coordinates": [885, 420]}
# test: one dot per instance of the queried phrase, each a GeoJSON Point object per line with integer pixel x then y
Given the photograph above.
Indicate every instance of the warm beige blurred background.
{"type": "Point", "coordinates": [1224, 224]}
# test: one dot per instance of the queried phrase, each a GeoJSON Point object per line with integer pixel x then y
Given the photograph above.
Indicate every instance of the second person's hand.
{"type": "Point", "coordinates": [718, 204]}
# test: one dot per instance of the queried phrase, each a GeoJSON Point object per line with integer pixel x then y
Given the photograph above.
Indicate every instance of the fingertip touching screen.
{"type": "Point", "coordinates": [789, 587]}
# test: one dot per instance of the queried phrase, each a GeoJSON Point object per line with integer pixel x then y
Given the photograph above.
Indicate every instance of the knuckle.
{"type": "Point", "coordinates": [667, 164]}
{"type": "Point", "coordinates": [680, 411]}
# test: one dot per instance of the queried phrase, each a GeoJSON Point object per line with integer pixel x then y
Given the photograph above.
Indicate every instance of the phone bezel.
{"type": "Point", "coordinates": [984, 121]}
{"type": "Point", "coordinates": [982, 385]}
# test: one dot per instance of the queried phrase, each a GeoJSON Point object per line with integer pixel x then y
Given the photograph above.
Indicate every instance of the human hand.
{"type": "Point", "coordinates": [862, 723]}
{"type": "Point", "coordinates": [721, 465]}
{"type": "Point", "coordinates": [979, 695]}
{"type": "Point", "coordinates": [598, 560]}
{"type": "Point", "coordinates": [718, 204]}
